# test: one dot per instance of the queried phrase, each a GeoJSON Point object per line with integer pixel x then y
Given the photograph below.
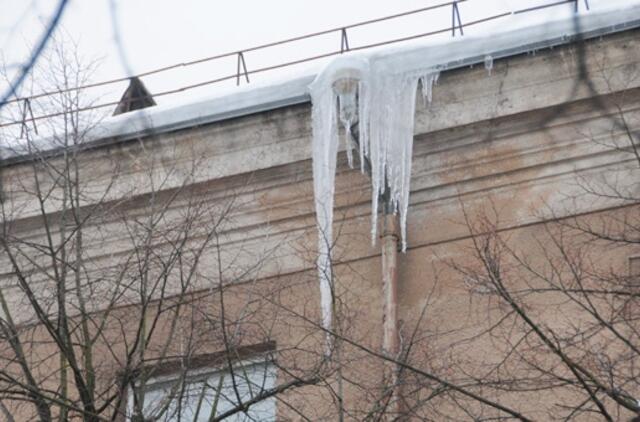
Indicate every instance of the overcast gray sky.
{"type": "Point", "coordinates": [162, 32]}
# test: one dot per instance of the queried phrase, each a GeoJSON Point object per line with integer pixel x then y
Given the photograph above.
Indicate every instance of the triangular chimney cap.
{"type": "Point", "coordinates": [135, 97]}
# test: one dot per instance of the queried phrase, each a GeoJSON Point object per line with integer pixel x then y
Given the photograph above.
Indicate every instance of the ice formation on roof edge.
{"type": "Point", "coordinates": [381, 99]}
{"type": "Point", "coordinates": [488, 63]}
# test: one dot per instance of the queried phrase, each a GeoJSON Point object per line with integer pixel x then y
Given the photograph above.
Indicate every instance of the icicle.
{"type": "Point", "coordinates": [488, 63]}
{"type": "Point", "coordinates": [398, 133]}
{"type": "Point", "coordinates": [428, 81]}
{"type": "Point", "coordinates": [390, 120]}
{"type": "Point", "coordinates": [363, 127]}
{"type": "Point", "coordinates": [325, 151]}
{"type": "Point", "coordinates": [346, 90]}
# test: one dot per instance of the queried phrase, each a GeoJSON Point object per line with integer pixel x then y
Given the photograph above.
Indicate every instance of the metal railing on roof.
{"type": "Point", "coordinates": [244, 72]}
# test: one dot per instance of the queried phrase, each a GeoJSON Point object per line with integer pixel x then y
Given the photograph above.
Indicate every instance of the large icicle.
{"type": "Point", "coordinates": [389, 116]}
{"type": "Point", "coordinates": [383, 101]}
{"type": "Point", "coordinates": [324, 94]}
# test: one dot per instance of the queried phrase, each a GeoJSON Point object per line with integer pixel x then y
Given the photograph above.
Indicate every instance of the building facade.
{"type": "Point", "coordinates": [168, 270]}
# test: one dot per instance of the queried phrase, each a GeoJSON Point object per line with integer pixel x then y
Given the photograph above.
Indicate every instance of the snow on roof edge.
{"type": "Point", "coordinates": [460, 52]}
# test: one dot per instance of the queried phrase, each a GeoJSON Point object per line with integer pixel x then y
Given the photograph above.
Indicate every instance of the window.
{"type": "Point", "coordinates": [195, 395]}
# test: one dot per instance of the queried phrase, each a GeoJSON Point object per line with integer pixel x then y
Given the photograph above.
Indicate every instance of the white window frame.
{"type": "Point", "coordinates": [268, 382]}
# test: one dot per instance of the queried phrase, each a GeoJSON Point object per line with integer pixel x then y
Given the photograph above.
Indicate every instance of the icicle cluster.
{"type": "Point", "coordinates": [382, 100]}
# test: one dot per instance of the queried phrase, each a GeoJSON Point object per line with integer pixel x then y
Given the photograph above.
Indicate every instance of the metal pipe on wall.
{"type": "Point", "coordinates": [390, 238]}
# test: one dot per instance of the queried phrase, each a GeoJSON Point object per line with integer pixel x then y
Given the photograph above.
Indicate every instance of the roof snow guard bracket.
{"type": "Point", "coordinates": [241, 64]}
{"type": "Point", "coordinates": [586, 4]}
{"type": "Point", "coordinates": [455, 15]}
{"type": "Point", "coordinates": [26, 108]}
{"type": "Point", "coordinates": [344, 41]}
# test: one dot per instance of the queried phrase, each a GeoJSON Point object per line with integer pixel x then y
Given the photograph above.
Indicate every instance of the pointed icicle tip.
{"type": "Point", "coordinates": [427, 82]}
{"type": "Point", "coordinates": [488, 63]}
